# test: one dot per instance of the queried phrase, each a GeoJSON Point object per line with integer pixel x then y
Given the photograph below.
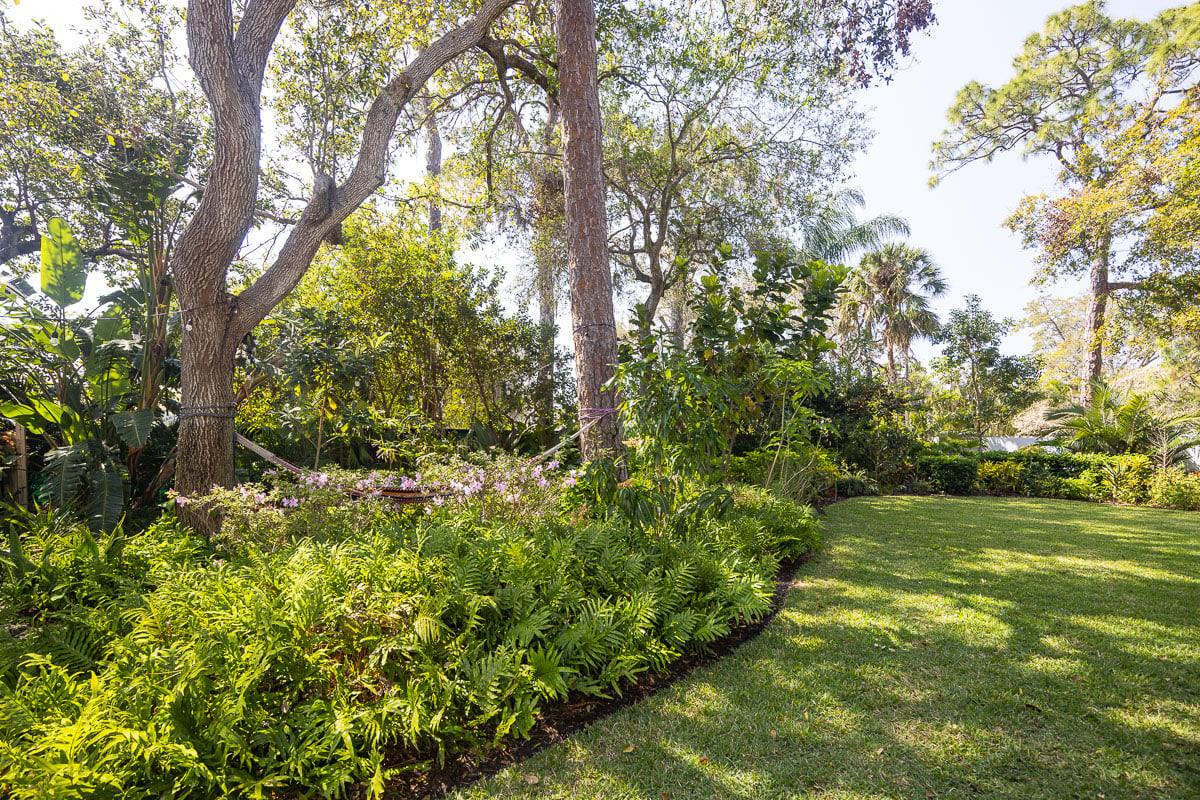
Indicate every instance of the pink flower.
{"type": "Point", "coordinates": [569, 482]}
{"type": "Point", "coordinates": [290, 502]}
{"type": "Point", "coordinates": [552, 464]}
{"type": "Point", "coordinates": [543, 483]}
{"type": "Point", "coordinates": [181, 500]}
{"type": "Point", "coordinates": [512, 498]}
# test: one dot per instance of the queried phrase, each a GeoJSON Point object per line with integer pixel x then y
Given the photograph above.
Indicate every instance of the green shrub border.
{"type": "Point", "coordinates": [1126, 478]}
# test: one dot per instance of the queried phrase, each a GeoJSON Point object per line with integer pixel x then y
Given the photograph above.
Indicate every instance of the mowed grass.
{"type": "Point", "coordinates": [939, 648]}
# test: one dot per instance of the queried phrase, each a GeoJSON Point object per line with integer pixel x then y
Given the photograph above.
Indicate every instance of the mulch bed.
{"type": "Point", "coordinates": [558, 721]}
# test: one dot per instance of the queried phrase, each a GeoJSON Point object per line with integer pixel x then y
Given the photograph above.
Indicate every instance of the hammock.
{"type": "Point", "coordinates": [401, 497]}
{"type": "Point", "coordinates": [398, 496]}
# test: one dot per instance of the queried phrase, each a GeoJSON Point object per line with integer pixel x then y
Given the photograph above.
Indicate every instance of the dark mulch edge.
{"type": "Point", "coordinates": [558, 721]}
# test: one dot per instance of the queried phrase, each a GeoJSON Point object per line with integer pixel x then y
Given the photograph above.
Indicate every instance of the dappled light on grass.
{"type": "Point", "coordinates": [940, 648]}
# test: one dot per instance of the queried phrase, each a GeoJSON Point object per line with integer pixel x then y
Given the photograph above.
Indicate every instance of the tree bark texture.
{"type": "Point", "coordinates": [229, 61]}
{"type": "Point", "coordinates": [1098, 289]}
{"type": "Point", "coordinates": [433, 164]}
{"type": "Point", "coordinates": [592, 321]}
{"type": "Point", "coordinates": [548, 256]}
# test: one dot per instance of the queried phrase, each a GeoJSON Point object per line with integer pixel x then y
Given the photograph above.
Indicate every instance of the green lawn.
{"type": "Point", "coordinates": [939, 648]}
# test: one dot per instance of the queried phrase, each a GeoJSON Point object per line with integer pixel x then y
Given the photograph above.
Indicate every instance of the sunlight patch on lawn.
{"type": "Point", "coordinates": [1143, 637]}
{"type": "Point", "coordinates": [1171, 720]}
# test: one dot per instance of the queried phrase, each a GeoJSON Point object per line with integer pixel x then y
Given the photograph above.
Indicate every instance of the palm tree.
{"type": "Point", "coordinates": [1113, 424]}
{"type": "Point", "coordinates": [887, 299]}
{"type": "Point", "coordinates": [833, 233]}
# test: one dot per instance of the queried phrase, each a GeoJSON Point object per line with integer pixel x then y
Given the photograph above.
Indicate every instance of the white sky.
{"type": "Point", "coordinates": [961, 221]}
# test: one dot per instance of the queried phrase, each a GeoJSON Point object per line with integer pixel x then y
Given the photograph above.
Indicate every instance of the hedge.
{"type": "Point", "coordinates": [1126, 478]}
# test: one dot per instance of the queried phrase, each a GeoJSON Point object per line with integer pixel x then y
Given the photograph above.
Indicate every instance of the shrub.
{"type": "Point", "coordinates": [998, 477]}
{"type": "Point", "coordinates": [948, 474]}
{"type": "Point", "coordinates": [1084, 488]}
{"type": "Point", "coordinates": [855, 484]}
{"type": "Point", "coordinates": [1175, 488]}
{"type": "Point", "coordinates": [1123, 479]}
{"type": "Point", "coordinates": [802, 472]}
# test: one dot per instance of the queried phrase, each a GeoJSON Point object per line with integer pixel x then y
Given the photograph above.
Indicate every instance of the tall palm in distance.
{"type": "Point", "coordinates": [887, 301]}
{"type": "Point", "coordinates": [834, 234]}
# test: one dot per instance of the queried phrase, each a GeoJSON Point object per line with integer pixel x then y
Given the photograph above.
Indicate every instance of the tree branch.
{"type": "Point", "coordinates": [323, 214]}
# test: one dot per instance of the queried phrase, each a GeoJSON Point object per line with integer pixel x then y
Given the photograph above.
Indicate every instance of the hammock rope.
{"type": "Point", "coordinates": [400, 496]}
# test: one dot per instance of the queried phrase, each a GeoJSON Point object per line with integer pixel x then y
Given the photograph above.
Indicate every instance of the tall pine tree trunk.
{"type": "Point", "coordinates": [593, 324]}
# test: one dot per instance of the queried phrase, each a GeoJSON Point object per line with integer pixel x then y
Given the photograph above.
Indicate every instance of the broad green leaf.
{"type": "Point", "coordinates": [106, 498]}
{"type": "Point", "coordinates": [134, 426]}
{"type": "Point", "coordinates": [107, 328]}
{"type": "Point", "coordinates": [63, 275]}
{"type": "Point", "coordinates": [63, 475]}
{"type": "Point", "coordinates": [38, 415]}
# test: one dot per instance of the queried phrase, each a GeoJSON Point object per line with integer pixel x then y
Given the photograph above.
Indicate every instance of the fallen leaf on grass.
{"type": "Point", "coordinates": [628, 749]}
{"type": "Point", "coordinates": [879, 752]}
{"type": "Point", "coordinates": [532, 779]}
{"type": "Point", "coordinates": [774, 733]}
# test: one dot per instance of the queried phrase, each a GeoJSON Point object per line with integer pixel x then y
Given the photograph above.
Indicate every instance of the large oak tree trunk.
{"type": "Point", "coordinates": [207, 411]}
{"type": "Point", "coordinates": [593, 324]}
{"type": "Point", "coordinates": [229, 57]}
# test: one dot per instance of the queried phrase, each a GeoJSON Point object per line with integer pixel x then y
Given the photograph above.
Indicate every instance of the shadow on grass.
{"type": "Point", "coordinates": [941, 648]}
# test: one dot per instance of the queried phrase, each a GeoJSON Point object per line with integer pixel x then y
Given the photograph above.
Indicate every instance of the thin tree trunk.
{"type": "Point", "coordinates": [1093, 367]}
{"type": "Point", "coordinates": [433, 164]}
{"type": "Point", "coordinates": [891, 354]}
{"type": "Point", "coordinates": [679, 309]}
{"type": "Point", "coordinates": [18, 479]}
{"type": "Point", "coordinates": [320, 431]}
{"type": "Point", "coordinates": [547, 312]}
{"type": "Point", "coordinates": [593, 323]}
{"type": "Point", "coordinates": [657, 290]}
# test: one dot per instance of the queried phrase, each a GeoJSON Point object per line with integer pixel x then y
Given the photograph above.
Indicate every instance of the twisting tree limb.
{"type": "Point", "coordinates": [369, 170]}
{"type": "Point", "coordinates": [230, 68]}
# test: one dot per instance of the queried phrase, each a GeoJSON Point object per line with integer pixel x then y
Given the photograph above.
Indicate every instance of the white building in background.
{"type": "Point", "coordinates": [1011, 444]}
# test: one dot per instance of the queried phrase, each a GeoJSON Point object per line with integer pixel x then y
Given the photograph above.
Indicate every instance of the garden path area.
{"type": "Point", "coordinates": [938, 648]}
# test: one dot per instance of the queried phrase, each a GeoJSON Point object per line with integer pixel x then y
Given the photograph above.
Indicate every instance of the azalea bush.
{"type": "Point", "coordinates": [342, 503]}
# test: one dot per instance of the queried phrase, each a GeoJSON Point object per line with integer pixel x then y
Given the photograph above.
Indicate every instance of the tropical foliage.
{"type": "Point", "coordinates": [348, 656]}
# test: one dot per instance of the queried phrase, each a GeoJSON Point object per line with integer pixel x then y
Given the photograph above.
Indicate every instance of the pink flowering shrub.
{"type": "Point", "coordinates": [338, 504]}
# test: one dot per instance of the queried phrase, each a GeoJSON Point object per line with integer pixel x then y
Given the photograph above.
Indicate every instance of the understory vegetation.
{"type": "Point", "coordinates": [375, 644]}
{"type": "Point", "coordinates": [324, 474]}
